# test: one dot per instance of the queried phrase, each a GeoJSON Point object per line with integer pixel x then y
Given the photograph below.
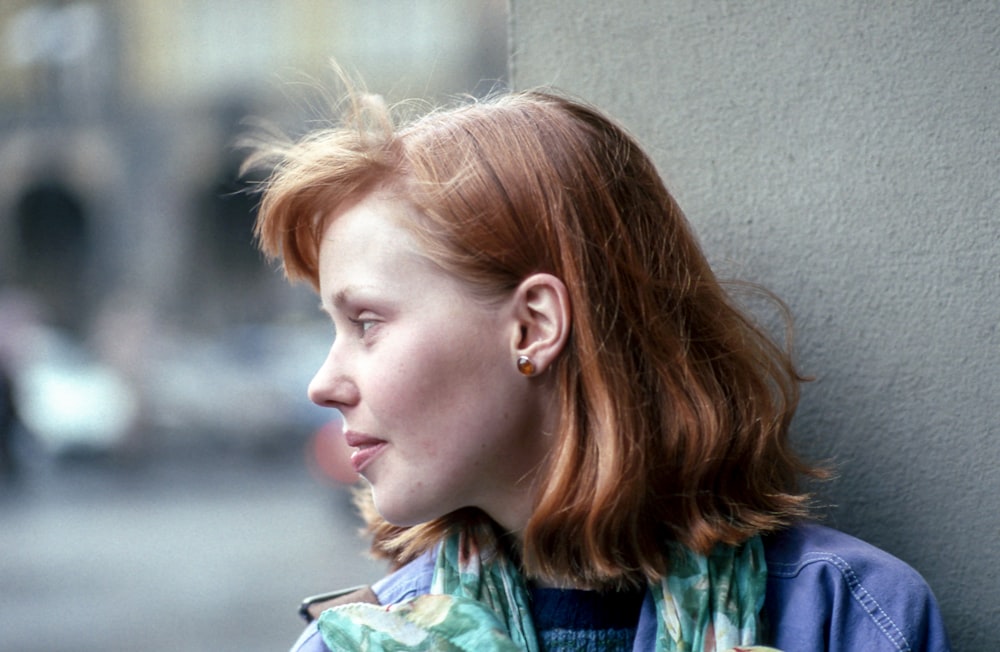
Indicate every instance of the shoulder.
{"type": "Point", "coordinates": [829, 590]}
{"type": "Point", "coordinates": [407, 582]}
{"type": "Point", "coordinates": [310, 640]}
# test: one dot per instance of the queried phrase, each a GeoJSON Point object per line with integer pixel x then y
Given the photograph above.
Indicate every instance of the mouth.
{"type": "Point", "coordinates": [368, 448]}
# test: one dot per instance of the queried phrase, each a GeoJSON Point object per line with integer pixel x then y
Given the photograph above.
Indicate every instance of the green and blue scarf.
{"type": "Point", "coordinates": [479, 603]}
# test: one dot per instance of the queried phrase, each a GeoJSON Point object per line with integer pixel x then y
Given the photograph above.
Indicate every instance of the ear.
{"type": "Point", "coordinates": [543, 319]}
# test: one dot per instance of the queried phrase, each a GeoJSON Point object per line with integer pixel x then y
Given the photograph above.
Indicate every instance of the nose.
{"type": "Point", "coordinates": [331, 386]}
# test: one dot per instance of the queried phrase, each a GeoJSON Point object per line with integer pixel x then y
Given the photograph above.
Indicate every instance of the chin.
{"type": "Point", "coordinates": [402, 515]}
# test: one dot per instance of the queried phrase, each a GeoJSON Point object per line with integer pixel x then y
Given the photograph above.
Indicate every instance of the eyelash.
{"type": "Point", "coordinates": [363, 325]}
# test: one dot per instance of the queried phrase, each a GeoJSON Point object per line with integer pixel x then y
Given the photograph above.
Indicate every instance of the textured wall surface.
{"type": "Point", "coordinates": [846, 155]}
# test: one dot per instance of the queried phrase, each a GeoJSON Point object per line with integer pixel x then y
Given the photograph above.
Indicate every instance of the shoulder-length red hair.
{"type": "Point", "coordinates": [674, 404]}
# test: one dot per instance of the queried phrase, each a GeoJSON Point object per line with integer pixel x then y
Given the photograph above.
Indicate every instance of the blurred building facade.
{"type": "Point", "coordinates": [122, 224]}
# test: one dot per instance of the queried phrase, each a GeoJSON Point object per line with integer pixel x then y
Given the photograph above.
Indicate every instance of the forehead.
{"type": "Point", "coordinates": [368, 240]}
{"type": "Point", "coordinates": [370, 218]}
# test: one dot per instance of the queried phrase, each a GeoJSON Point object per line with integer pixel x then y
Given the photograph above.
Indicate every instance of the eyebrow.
{"type": "Point", "coordinates": [343, 296]}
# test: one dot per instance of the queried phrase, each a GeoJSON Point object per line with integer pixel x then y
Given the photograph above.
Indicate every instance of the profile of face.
{"type": "Point", "coordinates": [424, 372]}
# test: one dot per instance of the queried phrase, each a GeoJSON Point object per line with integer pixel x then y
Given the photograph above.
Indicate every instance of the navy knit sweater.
{"type": "Point", "coordinates": [570, 620]}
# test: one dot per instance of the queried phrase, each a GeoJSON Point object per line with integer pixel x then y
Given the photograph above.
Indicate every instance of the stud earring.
{"type": "Point", "coordinates": [525, 365]}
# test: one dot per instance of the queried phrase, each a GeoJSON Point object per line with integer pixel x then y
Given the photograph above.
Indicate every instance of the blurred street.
{"type": "Point", "coordinates": [207, 553]}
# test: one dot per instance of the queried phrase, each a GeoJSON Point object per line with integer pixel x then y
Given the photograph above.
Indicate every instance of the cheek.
{"type": "Point", "coordinates": [435, 382]}
{"type": "Point", "coordinates": [409, 382]}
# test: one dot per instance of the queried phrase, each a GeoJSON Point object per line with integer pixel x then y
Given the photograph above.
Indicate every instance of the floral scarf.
{"type": "Point", "coordinates": [479, 603]}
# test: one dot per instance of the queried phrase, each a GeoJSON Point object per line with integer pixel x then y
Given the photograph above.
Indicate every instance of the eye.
{"type": "Point", "coordinates": [364, 324]}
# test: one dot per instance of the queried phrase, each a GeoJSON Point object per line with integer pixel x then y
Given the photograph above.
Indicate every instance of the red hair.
{"type": "Point", "coordinates": [674, 405]}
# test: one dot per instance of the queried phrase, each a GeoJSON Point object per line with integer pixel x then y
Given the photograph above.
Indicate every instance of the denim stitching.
{"type": "Point", "coordinates": [858, 592]}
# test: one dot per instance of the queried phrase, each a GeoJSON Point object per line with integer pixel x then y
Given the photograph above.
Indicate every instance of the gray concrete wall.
{"type": "Point", "coordinates": [847, 155]}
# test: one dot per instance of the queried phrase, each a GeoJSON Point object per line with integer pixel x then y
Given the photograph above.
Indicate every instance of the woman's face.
{"type": "Point", "coordinates": [424, 374]}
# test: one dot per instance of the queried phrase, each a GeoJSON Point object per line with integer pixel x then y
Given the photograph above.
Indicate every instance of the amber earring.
{"type": "Point", "coordinates": [525, 365]}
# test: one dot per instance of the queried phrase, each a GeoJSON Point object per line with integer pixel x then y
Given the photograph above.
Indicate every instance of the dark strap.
{"type": "Point", "coordinates": [312, 607]}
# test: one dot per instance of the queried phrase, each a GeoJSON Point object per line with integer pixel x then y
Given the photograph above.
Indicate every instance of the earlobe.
{"type": "Point", "coordinates": [543, 322]}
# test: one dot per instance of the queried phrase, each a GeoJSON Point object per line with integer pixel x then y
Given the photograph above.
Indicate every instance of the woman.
{"type": "Point", "coordinates": [573, 437]}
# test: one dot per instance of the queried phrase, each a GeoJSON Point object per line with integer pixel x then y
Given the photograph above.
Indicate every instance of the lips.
{"type": "Point", "coordinates": [368, 448]}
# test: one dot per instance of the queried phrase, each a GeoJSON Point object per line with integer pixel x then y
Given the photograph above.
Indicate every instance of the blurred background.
{"type": "Point", "coordinates": [164, 482]}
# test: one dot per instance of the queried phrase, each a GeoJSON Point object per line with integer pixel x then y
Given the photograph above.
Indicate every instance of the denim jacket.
{"type": "Point", "coordinates": [826, 590]}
